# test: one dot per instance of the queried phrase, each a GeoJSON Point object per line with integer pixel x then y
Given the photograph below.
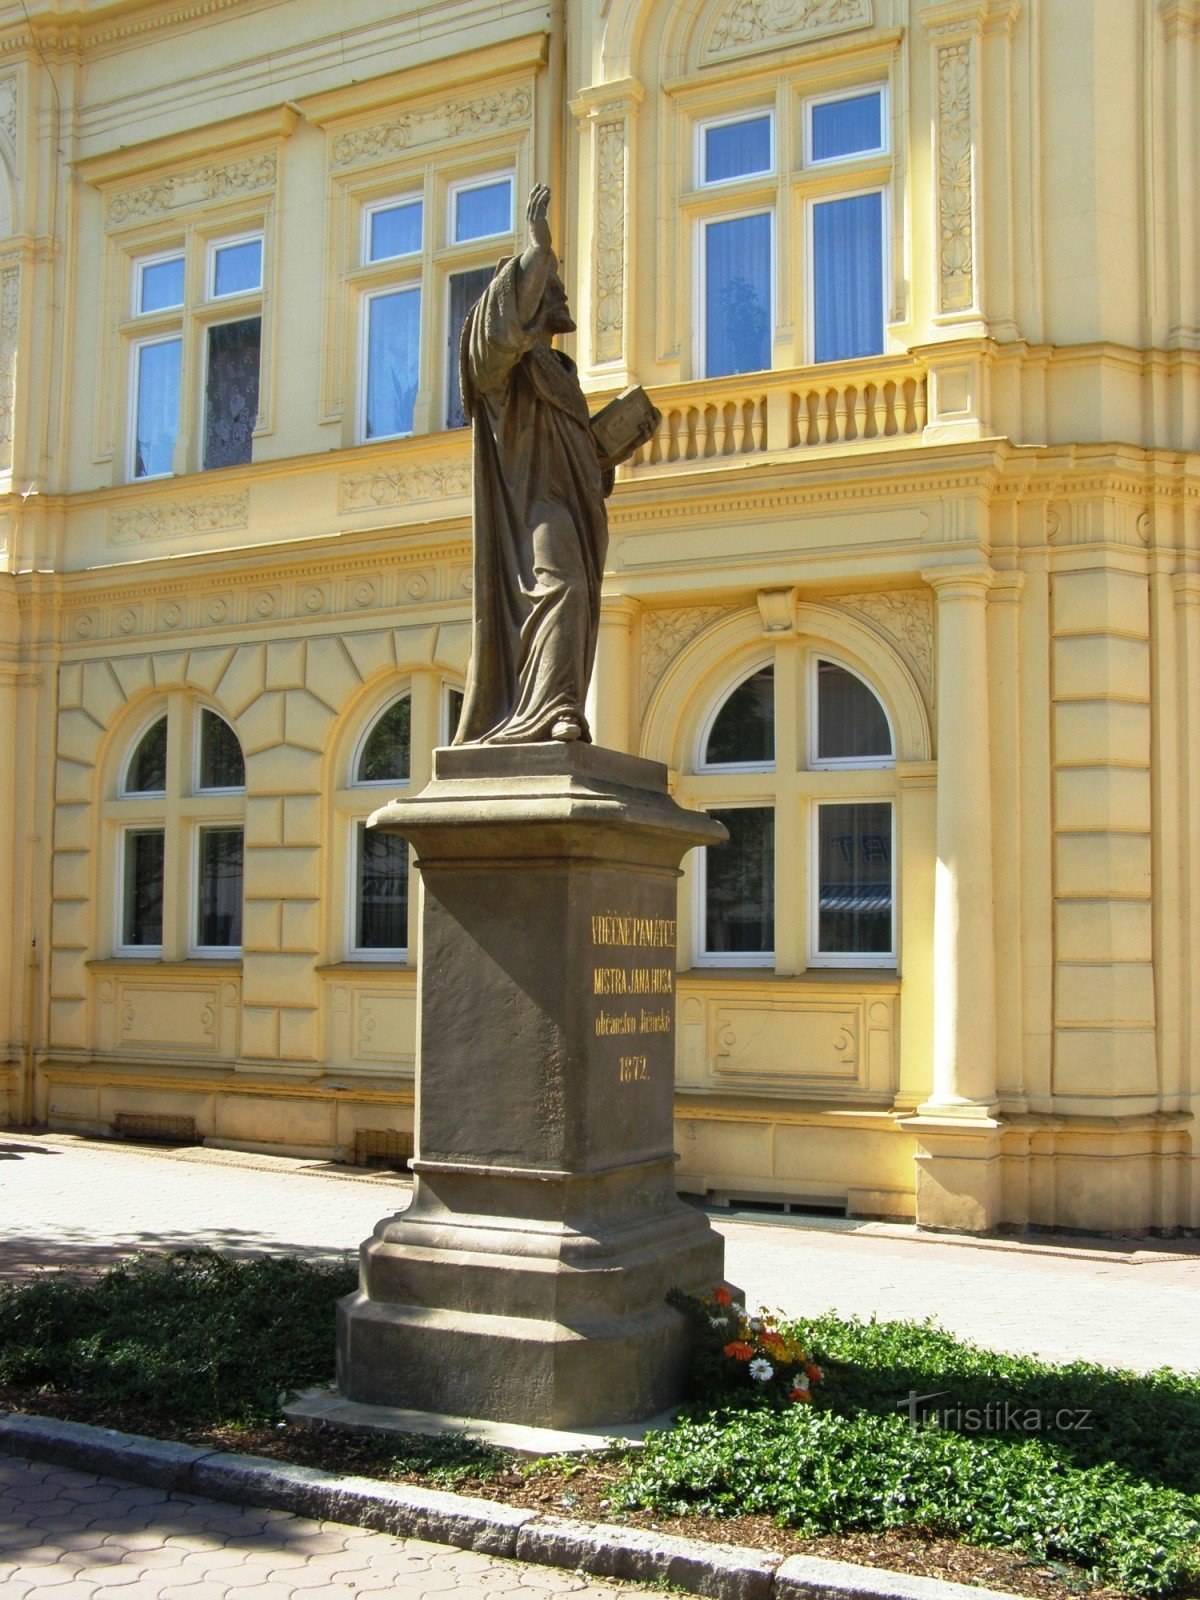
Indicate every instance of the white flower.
{"type": "Point", "coordinates": [762, 1371]}
{"type": "Point", "coordinates": [802, 1381]}
{"type": "Point", "coordinates": [716, 1322]}
{"type": "Point", "coordinates": [754, 1324]}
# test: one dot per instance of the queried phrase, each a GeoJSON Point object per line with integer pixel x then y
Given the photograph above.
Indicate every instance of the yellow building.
{"type": "Point", "coordinates": [907, 587]}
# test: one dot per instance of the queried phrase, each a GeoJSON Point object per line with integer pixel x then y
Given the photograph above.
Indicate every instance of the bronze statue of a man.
{"type": "Point", "coordinates": [541, 475]}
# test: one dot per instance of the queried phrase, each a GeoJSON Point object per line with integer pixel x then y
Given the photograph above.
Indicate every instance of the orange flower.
{"type": "Point", "coordinates": [722, 1295]}
{"type": "Point", "coordinates": [739, 1350]}
{"type": "Point", "coordinates": [800, 1395]}
{"type": "Point", "coordinates": [814, 1373]}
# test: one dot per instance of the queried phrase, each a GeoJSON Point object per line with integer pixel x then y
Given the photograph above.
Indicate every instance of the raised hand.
{"type": "Point", "coordinates": [535, 215]}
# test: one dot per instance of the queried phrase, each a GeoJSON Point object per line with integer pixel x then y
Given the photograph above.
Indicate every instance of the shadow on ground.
{"type": "Point", "coordinates": [75, 1250]}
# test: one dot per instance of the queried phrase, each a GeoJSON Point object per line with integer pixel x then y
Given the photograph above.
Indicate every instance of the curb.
{"type": "Point", "coordinates": [635, 1555]}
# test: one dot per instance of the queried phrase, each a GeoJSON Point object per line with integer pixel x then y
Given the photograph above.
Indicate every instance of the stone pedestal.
{"type": "Point", "coordinates": [526, 1281]}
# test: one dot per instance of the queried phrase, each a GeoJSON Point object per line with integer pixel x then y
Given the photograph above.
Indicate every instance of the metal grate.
{"type": "Point", "coordinates": [382, 1147]}
{"type": "Point", "coordinates": [155, 1128]}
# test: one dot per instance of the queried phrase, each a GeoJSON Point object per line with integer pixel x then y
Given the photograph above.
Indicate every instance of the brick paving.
{"type": "Point", "coordinates": [69, 1536]}
{"type": "Point", "coordinates": [75, 1203]}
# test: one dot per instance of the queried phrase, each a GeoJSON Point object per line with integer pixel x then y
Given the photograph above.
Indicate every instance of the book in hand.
{"type": "Point", "coordinates": [624, 424]}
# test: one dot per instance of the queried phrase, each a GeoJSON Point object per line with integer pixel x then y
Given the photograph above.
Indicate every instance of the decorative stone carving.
{"type": "Point", "coordinates": [191, 188]}
{"type": "Point", "coordinates": [749, 24]}
{"type": "Point", "coordinates": [402, 486]}
{"type": "Point", "coordinates": [223, 513]}
{"type": "Point", "coordinates": [457, 120]}
{"type": "Point", "coordinates": [956, 199]}
{"type": "Point", "coordinates": [8, 109]}
{"type": "Point", "coordinates": [664, 634]}
{"type": "Point", "coordinates": [609, 283]}
{"type": "Point", "coordinates": [906, 617]}
{"type": "Point", "coordinates": [10, 311]}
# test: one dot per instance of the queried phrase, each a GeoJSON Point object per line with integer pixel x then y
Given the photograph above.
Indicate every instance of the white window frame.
{"type": "Point", "coordinates": [157, 259]}
{"type": "Point", "coordinates": [197, 787]}
{"type": "Point", "coordinates": [810, 299]}
{"type": "Point", "coordinates": [702, 955]}
{"type": "Point", "coordinates": [247, 314]}
{"type": "Point", "coordinates": [353, 781]}
{"type": "Point", "coordinates": [699, 164]}
{"type": "Point", "coordinates": [701, 765]}
{"type": "Point", "coordinates": [364, 354]}
{"type": "Point", "coordinates": [210, 266]}
{"type": "Point", "coordinates": [355, 951]}
{"type": "Point", "coordinates": [700, 285]}
{"type": "Point", "coordinates": [817, 763]}
{"type": "Point", "coordinates": [211, 952]}
{"type": "Point", "coordinates": [393, 202]}
{"type": "Point", "coordinates": [446, 732]}
{"type": "Point", "coordinates": [482, 181]}
{"type": "Point", "coordinates": [136, 952]}
{"type": "Point", "coordinates": [858, 92]}
{"type": "Point", "coordinates": [135, 348]}
{"type": "Point", "coordinates": [124, 792]}
{"type": "Point", "coordinates": [819, 958]}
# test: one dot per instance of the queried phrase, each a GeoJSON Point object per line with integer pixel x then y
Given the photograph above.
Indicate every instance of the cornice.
{"type": "Point", "coordinates": [257, 127]}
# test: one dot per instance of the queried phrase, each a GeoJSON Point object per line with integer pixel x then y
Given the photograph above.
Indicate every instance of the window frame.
{"type": "Point", "coordinates": [850, 961]}
{"type": "Point", "coordinates": [701, 765]}
{"type": "Point", "coordinates": [156, 258]}
{"type": "Point", "coordinates": [389, 203]}
{"type": "Point", "coordinates": [122, 949]}
{"type": "Point", "coordinates": [197, 828]}
{"type": "Point", "coordinates": [199, 789]}
{"type": "Point", "coordinates": [811, 201]}
{"type": "Point", "coordinates": [458, 186]}
{"type": "Point", "coordinates": [248, 313]}
{"type": "Point", "coordinates": [217, 242]}
{"type": "Point", "coordinates": [354, 951]}
{"type": "Point", "coordinates": [702, 956]}
{"type": "Point", "coordinates": [176, 336]}
{"type": "Point", "coordinates": [700, 286]}
{"type": "Point", "coordinates": [360, 744]}
{"type": "Point", "coordinates": [124, 792]}
{"type": "Point", "coordinates": [407, 286]}
{"type": "Point", "coordinates": [813, 761]}
{"type": "Point", "coordinates": [701, 182]}
{"type": "Point", "coordinates": [811, 163]}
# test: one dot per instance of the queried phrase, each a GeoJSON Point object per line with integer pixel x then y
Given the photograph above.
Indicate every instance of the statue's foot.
{"type": "Point", "coordinates": [566, 729]}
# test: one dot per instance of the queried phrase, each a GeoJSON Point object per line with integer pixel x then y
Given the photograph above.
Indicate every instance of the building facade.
{"type": "Point", "coordinates": [906, 588]}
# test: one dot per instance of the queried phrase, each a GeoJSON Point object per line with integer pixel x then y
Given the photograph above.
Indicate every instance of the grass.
{"type": "Point", "coordinates": [198, 1339]}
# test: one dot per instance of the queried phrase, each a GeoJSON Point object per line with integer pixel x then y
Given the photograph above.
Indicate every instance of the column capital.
{"type": "Point", "coordinates": [959, 582]}
{"type": "Point", "coordinates": [617, 98]}
{"type": "Point", "coordinates": [1187, 588]}
{"type": "Point", "coordinates": [619, 610]}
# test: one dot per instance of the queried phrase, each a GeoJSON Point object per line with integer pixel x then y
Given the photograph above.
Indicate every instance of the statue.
{"type": "Point", "coordinates": [542, 470]}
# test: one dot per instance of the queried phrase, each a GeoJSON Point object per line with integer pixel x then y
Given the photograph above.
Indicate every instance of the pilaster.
{"type": "Point", "coordinates": [610, 707]}
{"type": "Point", "coordinates": [608, 117]}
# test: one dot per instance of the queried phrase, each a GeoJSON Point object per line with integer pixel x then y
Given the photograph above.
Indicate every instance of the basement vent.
{"type": "Point", "coordinates": [155, 1129]}
{"type": "Point", "coordinates": [375, 1147]}
{"type": "Point", "coordinates": [789, 1208]}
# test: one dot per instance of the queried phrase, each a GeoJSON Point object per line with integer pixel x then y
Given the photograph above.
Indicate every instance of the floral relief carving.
{"type": "Point", "coordinates": [906, 617]}
{"type": "Point", "coordinates": [956, 228]}
{"type": "Point", "coordinates": [192, 188]}
{"type": "Point", "coordinates": [610, 239]}
{"type": "Point", "coordinates": [401, 486]}
{"type": "Point", "coordinates": [455, 120]}
{"type": "Point", "coordinates": [489, 111]}
{"type": "Point", "coordinates": [8, 109]}
{"type": "Point", "coordinates": [745, 23]}
{"type": "Point", "coordinates": [664, 635]}
{"type": "Point", "coordinates": [220, 514]}
{"type": "Point", "coordinates": [10, 310]}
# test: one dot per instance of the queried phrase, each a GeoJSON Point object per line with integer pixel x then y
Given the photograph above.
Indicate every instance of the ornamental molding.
{"type": "Point", "coordinates": [665, 634]}
{"type": "Point", "coordinates": [8, 109]}
{"type": "Point", "coordinates": [956, 179]}
{"type": "Point", "coordinates": [741, 26]}
{"type": "Point", "coordinates": [10, 319]}
{"type": "Point", "coordinates": [403, 486]}
{"type": "Point", "coordinates": [211, 182]}
{"type": "Point", "coordinates": [609, 253]}
{"type": "Point", "coordinates": [458, 119]}
{"type": "Point", "coordinates": [179, 519]}
{"type": "Point", "coordinates": [905, 619]}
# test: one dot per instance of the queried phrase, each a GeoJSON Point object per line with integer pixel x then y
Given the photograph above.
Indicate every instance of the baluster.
{"type": "Point", "coordinates": [758, 423]}
{"type": "Point", "coordinates": [840, 418]}
{"type": "Point", "coordinates": [890, 424]}
{"type": "Point", "coordinates": [825, 399]}
{"type": "Point", "coordinates": [720, 428]}
{"type": "Point", "coordinates": [870, 404]}
{"type": "Point", "coordinates": [860, 410]}
{"type": "Point", "coordinates": [709, 423]}
{"type": "Point", "coordinates": [674, 419]}
{"type": "Point", "coordinates": [919, 395]}
{"type": "Point", "coordinates": [693, 430]}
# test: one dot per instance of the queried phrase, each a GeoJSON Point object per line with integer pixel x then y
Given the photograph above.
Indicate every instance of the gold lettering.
{"type": "Point", "coordinates": [608, 1024]}
{"type": "Point", "coordinates": [632, 1069]}
{"type": "Point", "coordinates": [633, 980]}
{"type": "Point", "coordinates": [639, 932]}
{"type": "Point", "coordinates": [656, 1021]}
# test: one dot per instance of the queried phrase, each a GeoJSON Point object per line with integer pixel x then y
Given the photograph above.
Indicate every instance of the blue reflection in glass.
{"type": "Point", "coordinates": [482, 211]}
{"type": "Point", "coordinates": [237, 268]}
{"type": "Point", "coordinates": [160, 285]}
{"type": "Point", "coordinates": [848, 278]}
{"type": "Point", "coordinates": [157, 407]}
{"type": "Point", "coordinates": [393, 351]}
{"type": "Point", "coordinates": [847, 127]}
{"type": "Point", "coordinates": [395, 231]}
{"type": "Point", "coordinates": [737, 295]}
{"type": "Point", "coordinates": [737, 149]}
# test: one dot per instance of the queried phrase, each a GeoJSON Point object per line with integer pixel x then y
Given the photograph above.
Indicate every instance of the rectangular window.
{"type": "Point", "coordinates": [156, 368]}
{"type": "Point", "coordinates": [455, 699]}
{"type": "Point", "coordinates": [394, 230]}
{"type": "Point", "coordinates": [236, 268]}
{"type": "Point", "coordinates": [158, 285]}
{"type": "Point", "coordinates": [481, 210]}
{"type": "Point", "coordinates": [465, 289]}
{"type": "Point", "coordinates": [737, 295]}
{"type": "Point", "coordinates": [144, 856]}
{"type": "Point", "coordinates": [850, 125]}
{"type": "Point", "coordinates": [381, 896]}
{"type": "Point", "coordinates": [847, 277]}
{"type": "Point", "coordinates": [739, 888]}
{"type": "Point", "coordinates": [219, 889]}
{"type": "Point", "coordinates": [741, 147]}
{"type": "Point", "coordinates": [231, 393]}
{"type": "Point", "coordinates": [854, 884]}
{"type": "Point", "coordinates": [393, 348]}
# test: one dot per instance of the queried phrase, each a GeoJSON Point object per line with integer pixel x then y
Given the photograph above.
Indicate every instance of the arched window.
{"type": "Point", "coordinates": [385, 755]}
{"type": "Point", "coordinates": [180, 850]}
{"type": "Point", "coordinates": [807, 877]}
{"type": "Point", "coordinates": [379, 912]}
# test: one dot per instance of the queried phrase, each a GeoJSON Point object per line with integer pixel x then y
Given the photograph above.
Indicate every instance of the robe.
{"type": "Point", "coordinates": [540, 527]}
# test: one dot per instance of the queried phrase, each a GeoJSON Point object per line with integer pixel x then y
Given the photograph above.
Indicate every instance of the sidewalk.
{"type": "Point", "coordinates": [77, 1204]}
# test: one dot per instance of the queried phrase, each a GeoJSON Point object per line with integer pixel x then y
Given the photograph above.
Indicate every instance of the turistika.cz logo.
{"type": "Point", "coordinates": [995, 1416]}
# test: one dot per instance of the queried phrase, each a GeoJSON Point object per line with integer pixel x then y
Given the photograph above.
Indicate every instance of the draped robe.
{"type": "Point", "coordinates": [540, 527]}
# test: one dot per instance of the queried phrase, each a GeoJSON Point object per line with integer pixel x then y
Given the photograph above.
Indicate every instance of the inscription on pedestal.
{"type": "Point", "coordinates": [635, 969]}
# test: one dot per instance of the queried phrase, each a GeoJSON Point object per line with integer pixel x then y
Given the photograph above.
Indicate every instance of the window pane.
{"type": "Point", "coordinates": [381, 914]}
{"type": "Point", "coordinates": [483, 211]}
{"type": "Point", "coordinates": [237, 268]}
{"type": "Point", "coordinates": [385, 756]}
{"type": "Point", "coordinates": [737, 295]}
{"type": "Point", "coordinates": [851, 724]}
{"type": "Point", "coordinates": [221, 763]}
{"type": "Point", "coordinates": [848, 278]}
{"type": "Point", "coordinates": [142, 888]}
{"type": "Point", "coordinates": [156, 407]}
{"type": "Point", "coordinates": [465, 289]}
{"type": "Point", "coordinates": [744, 729]}
{"type": "Point", "coordinates": [737, 149]}
{"type": "Point", "coordinates": [231, 395]}
{"type": "Point", "coordinates": [855, 879]}
{"type": "Point", "coordinates": [847, 127]}
{"type": "Point", "coordinates": [393, 348]}
{"type": "Point", "coordinates": [160, 285]}
{"type": "Point", "coordinates": [147, 772]}
{"type": "Point", "coordinates": [739, 910]}
{"type": "Point", "coordinates": [395, 231]}
{"type": "Point", "coordinates": [219, 924]}
{"type": "Point", "coordinates": [454, 710]}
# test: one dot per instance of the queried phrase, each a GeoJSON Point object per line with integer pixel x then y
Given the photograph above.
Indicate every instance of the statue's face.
{"type": "Point", "coordinates": [556, 313]}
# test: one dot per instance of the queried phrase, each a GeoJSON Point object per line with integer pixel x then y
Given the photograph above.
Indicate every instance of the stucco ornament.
{"type": "Point", "coordinates": [745, 23]}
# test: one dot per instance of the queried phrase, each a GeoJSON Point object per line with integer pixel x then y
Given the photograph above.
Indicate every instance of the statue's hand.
{"type": "Point", "coordinates": [535, 215]}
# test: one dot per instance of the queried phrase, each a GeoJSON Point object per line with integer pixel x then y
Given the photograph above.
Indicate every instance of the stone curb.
{"type": "Point", "coordinates": [636, 1555]}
